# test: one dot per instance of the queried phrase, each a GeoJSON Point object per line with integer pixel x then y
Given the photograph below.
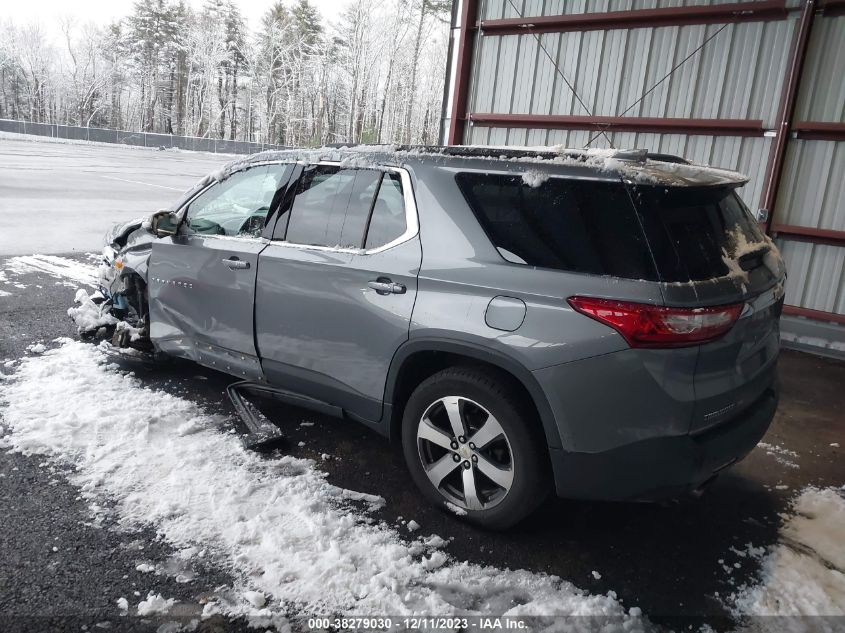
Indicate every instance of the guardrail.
{"type": "Point", "coordinates": [139, 139]}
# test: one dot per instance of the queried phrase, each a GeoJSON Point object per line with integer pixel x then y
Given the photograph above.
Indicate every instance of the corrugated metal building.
{"type": "Point", "coordinates": [757, 86]}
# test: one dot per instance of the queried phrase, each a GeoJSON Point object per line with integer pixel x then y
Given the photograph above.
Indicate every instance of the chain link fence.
{"type": "Point", "coordinates": [140, 139]}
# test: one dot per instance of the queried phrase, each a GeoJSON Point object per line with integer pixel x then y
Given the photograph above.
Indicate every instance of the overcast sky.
{"type": "Point", "coordinates": [104, 11]}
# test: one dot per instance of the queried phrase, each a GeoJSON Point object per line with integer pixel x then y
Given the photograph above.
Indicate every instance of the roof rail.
{"type": "Point", "coordinates": [484, 151]}
{"type": "Point", "coordinates": [634, 155]}
{"type": "Point", "coordinates": [668, 158]}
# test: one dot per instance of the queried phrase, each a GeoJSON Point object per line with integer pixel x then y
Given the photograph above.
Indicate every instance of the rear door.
{"type": "Point", "coordinates": [336, 286]}
{"type": "Point", "coordinates": [202, 281]}
{"type": "Point", "coordinates": [710, 251]}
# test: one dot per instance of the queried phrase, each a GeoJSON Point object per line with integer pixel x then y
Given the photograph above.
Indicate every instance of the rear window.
{"type": "Point", "coordinates": [692, 230]}
{"type": "Point", "coordinates": [574, 225]}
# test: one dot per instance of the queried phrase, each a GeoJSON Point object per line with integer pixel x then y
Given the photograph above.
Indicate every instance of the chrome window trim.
{"type": "Point", "coordinates": [412, 223]}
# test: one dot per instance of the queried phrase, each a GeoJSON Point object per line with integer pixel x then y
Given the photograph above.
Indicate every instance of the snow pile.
{"type": "Point", "coordinates": [534, 178]}
{"type": "Point", "coordinates": [277, 524]}
{"type": "Point", "coordinates": [741, 246]}
{"type": "Point", "coordinates": [133, 332]}
{"type": "Point", "coordinates": [804, 574]}
{"type": "Point", "coordinates": [60, 267]}
{"type": "Point", "coordinates": [89, 316]}
{"type": "Point", "coordinates": [220, 174]}
{"type": "Point", "coordinates": [255, 598]}
{"type": "Point", "coordinates": [155, 604]}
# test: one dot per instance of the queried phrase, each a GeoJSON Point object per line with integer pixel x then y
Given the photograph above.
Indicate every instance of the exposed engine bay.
{"type": "Point", "coordinates": [122, 309]}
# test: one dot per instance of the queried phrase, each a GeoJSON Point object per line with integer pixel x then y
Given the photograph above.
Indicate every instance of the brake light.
{"type": "Point", "coordinates": [643, 325]}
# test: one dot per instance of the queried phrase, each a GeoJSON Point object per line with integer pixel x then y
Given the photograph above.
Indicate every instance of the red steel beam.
{"type": "Point", "coordinates": [816, 315]}
{"type": "Point", "coordinates": [809, 234]}
{"type": "Point", "coordinates": [820, 131]}
{"type": "Point", "coordinates": [708, 127]}
{"type": "Point", "coordinates": [774, 168]}
{"type": "Point", "coordinates": [463, 72]}
{"type": "Point", "coordinates": [668, 16]}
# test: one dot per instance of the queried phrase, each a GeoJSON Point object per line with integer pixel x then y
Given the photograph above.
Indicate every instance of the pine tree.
{"type": "Point", "coordinates": [153, 35]}
{"type": "Point", "coordinates": [308, 25]}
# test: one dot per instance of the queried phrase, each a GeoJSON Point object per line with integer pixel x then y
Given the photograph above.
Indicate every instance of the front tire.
{"type": "Point", "coordinates": [472, 448]}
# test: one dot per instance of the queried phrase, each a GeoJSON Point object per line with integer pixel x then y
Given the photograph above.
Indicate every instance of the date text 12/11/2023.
{"type": "Point", "coordinates": [427, 623]}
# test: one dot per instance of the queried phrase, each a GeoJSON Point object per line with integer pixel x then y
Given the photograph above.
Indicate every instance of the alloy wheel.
{"type": "Point", "coordinates": [465, 453]}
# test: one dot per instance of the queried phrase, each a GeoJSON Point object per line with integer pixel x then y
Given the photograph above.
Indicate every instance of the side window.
{"type": "Point", "coordinates": [573, 225]}
{"type": "Point", "coordinates": [237, 206]}
{"type": "Point", "coordinates": [388, 219]}
{"type": "Point", "coordinates": [331, 207]}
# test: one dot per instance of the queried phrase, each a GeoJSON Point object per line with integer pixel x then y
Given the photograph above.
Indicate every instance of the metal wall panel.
{"type": "Point", "coordinates": [812, 191]}
{"type": "Point", "coordinates": [816, 275]}
{"type": "Point", "coordinates": [737, 75]}
{"type": "Point", "coordinates": [822, 94]}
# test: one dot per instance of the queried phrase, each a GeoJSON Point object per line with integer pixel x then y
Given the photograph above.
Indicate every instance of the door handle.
{"type": "Point", "coordinates": [386, 286]}
{"type": "Point", "coordinates": [233, 263]}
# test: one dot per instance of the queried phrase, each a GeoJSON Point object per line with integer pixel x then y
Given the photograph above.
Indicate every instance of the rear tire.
{"type": "Point", "coordinates": [496, 480]}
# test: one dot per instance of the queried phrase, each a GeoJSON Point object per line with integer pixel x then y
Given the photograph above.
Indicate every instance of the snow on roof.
{"type": "Point", "coordinates": [635, 166]}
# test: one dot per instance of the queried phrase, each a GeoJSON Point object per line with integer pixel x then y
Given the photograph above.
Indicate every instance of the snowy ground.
{"type": "Point", "coordinates": [289, 536]}
{"type": "Point", "coordinates": [297, 536]}
{"type": "Point", "coordinates": [61, 197]}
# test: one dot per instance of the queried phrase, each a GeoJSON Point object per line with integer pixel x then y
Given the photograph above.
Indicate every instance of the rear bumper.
{"type": "Point", "coordinates": [663, 467]}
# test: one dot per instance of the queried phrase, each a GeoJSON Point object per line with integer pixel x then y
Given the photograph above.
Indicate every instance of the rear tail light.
{"type": "Point", "coordinates": [644, 325]}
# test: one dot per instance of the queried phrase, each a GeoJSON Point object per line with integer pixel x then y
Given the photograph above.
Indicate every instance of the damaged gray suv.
{"type": "Point", "coordinates": [600, 324]}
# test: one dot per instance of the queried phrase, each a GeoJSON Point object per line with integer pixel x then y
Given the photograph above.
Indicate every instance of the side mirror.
{"type": "Point", "coordinates": [164, 223]}
{"type": "Point", "coordinates": [762, 215]}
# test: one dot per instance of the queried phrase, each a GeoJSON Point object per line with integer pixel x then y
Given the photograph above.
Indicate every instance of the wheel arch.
{"type": "Point", "coordinates": [420, 358]}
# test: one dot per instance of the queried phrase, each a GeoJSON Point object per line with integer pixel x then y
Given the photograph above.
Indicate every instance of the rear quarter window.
{"type": "Point", "coordinates": [387, 218]}
{"type": "Point", "coordinates": [573, 225]}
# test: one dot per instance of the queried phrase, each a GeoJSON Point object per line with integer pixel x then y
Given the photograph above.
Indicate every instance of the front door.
{"type": "Point", "coordinates": [202, 281]}
{"type": "Point", "coordinates": [336, 286]}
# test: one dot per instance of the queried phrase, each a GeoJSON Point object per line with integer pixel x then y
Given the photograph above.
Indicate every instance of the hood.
{"type": "Point", "coordinates": [118, 234]}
